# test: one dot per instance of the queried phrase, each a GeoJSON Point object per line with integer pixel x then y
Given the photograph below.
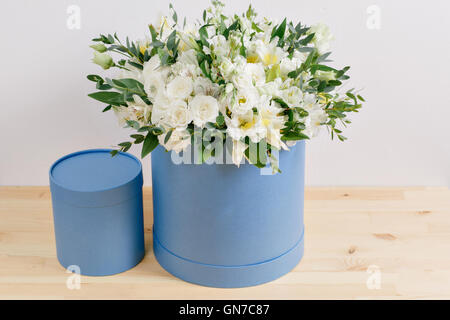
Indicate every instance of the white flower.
{"type": "Point", "coordinates": [137, 110]}
{"type": "Point", "coordinates": [245, 125]}
{"type": "Point", "coordinates": [151, 65]}
{"type": "Point", "coordinates": [178, 114]}
{"type": "Point", "coordinates": [244, 101]}
{"type": "Point", "coordinates": [316, 115]}
{"type": "Point", "coordinates": [268, 54]}
{"type": "Point", "coordinates": [256, 73]}
{"type": "Point", "coordinates": [180, 88]}
{"type": "Point", "coordinates": [154, 84]}
{"type": "Point", "coordinates": [204, 86]}
{"type": "Point", "coordinates": [204, 109]}
{"type": "Point", "coordinates": [322, 37]}
{"type": "Point", "coordinates": [160, 110]}
{"type": "Point", "coordinates": [219, 45]}
{"type": "Point", "coordinates": [292, 96]}
{"type": "Point", "coordinates": [178, 141]}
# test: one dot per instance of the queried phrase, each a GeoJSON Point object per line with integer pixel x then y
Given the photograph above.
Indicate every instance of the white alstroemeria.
{"type": "Point", "coordinates": [244, 100]}
{"type": "Point", "coordinates": [219, 45]}
{"type": "Point", "coordinates": [271, 88]}
{"type": "Point", "coordinates": [314, 121]}
{"type": "Point", "coordinates": [227, 68]}
{"type": "Point", "coordinates": [273, 124]}
{"type": "Point", "coordinates": [180, 88]}
{"type": "Point", "coordinates": [322, 37]}
{"type": "Point", "coordinates": [204, 109]}
{"type": "Point", "coordinates": [246, 125]}
{"type": "Point", "coordinates": [269, 54]}
{"type": "Point", "coordinates": [292, 96]}
{"type": "Point", "coordinates": [179, 115]}
{"type": "Point", "coordinates": [137, 110]}
{"type": "Point", "coordinates": [179, 141]}
{"type": "Point", "coordinates": [316, 115]}
{"type": "Point", "coordinates": [256, 73]}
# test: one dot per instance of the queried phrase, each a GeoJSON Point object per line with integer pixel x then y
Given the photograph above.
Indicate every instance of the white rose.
{"type": "Point", "coordinates": [204, 109]}
{"type": "Point", "coordinates": [180, 88]}
{"type": "Point", "coordinates": [178, 141]}
{"type": "Point", "coordinates": [160, 109]}
{"type": "Point", "coordinates": [154, 84]}
{"type": "Point", "coordinates": [178, 114]}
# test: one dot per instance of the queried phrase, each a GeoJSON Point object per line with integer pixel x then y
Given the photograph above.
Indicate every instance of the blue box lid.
{"type": "Point", "coordinates": [93, 178]}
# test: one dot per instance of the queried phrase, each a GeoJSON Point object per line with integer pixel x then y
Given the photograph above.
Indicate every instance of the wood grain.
{"type": "Point", "coordinates": [352, 235]}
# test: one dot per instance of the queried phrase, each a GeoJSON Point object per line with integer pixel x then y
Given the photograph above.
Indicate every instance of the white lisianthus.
{"type": "Point", "coordinates": [179, 141]}
{"type": "Point", "coordinates": [204, 86]}
{"type": "Point", "coordinates": [180, 88]}
{"type": "Point", "coordinates": [322, 37]}
{"type": "Point", "coordinates": [204, 109]}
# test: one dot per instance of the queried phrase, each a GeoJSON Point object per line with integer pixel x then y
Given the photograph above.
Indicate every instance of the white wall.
{"type": "Point", "coordinates": [401, 137]}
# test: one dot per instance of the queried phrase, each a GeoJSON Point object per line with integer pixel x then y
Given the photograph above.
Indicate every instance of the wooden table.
{"type": "Point", "coordinates": [360, 243]}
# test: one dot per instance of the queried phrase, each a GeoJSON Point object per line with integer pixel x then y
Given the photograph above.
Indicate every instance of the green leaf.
{"type": "Point", "coordinates": [95, 78]}
{"type": "Point", "coordinates": [306, 40]}
{"type": "Point", "coordinates": [153, 32]}
{"type": "Point", "coordinates": [133, 124]}
{"type": "Point", "coordinates": [281, 102]}
{"type": "Point", "coordinates": [279, 31]}
{"type": "Point", "coordinates": [114, 152]}
{"type": "Point", "coordinates": [171, 41]}
{"type": "Point", "coordinates": [109, 97]}
{"type": "Point", "coordinates": [136, 65]}
{"type": "Point", "coordinates": [220, 120]}
{"type": "Point", "coordinates": [168, 135]}
{"type": "Point", "coordinates": [107, 108]}
{"type": "Point", "coordinates": [150, 143]}
{"type": "Point", "coordinates": [290, 136]}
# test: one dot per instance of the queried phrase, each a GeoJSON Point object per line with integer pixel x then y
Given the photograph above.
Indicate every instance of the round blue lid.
{"type": "Point", "coordinates": [95, 170]}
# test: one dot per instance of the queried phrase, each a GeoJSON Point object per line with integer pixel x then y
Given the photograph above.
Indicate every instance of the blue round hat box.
{"type": "Point", "coordinates": [223, 226]}
{"type": "Point", "coordinates": [97, 211]}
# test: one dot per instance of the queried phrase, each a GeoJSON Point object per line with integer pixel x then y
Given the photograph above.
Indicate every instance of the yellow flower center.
{"type": "Point", "coordinates": [247, 124]}
{"type": "Point", "coordinates": [269, 59]}
{"type": "Point", "coordinates": [252, 59]}
{"type": "Point", "coordinates": [242, 100]}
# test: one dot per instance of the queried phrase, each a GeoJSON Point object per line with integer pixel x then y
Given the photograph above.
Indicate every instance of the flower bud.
{"type": "Point", "coordinates": [98, 47]}
{"type": "Point", "coordinates": [103, 60]}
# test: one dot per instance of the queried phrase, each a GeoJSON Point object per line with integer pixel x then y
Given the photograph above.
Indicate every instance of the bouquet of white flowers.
{"type": "Point", "coordinates": [259, 84]}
